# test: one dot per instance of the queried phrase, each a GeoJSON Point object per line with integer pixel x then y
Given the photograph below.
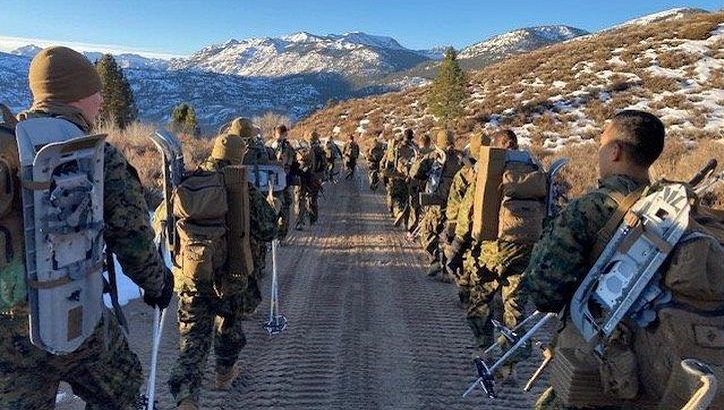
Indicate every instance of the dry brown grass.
{"type": "Point", "coordinates": [145, 158]}
{"type": "Point", "coordinates": [507, 94]}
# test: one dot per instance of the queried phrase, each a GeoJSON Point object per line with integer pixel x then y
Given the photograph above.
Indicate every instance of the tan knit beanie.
{"type": "Point", "coordinates": [229, 147]}
{"type": "Point", "coordinates": [242, 127]}
{"type": "Point", "coordinates": [62, 74]}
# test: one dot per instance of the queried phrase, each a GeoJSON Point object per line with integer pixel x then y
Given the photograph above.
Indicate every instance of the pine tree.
{"type": "Point", "coordinates": [119, 106]}
{"type": "Point", "coordinates": [448, 90]}
{"type": "Point", "coordinates": [183, 119]}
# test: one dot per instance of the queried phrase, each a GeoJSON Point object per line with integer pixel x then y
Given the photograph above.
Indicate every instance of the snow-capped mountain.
{"type": "Point", "coordinates": [132, 61]}
{"type": "Point", "coordinates": [479, 55]}
{"type": "Point", "coordinates": [27, 51]}
{"type": "Point", "coordinates": [356, 55]}
{"type": "Point", "coordinates": [519, 41]}
{"type": "Point", "coordinates": [125, 60]}
{"type": "Point", "coordinates": [292, 75]}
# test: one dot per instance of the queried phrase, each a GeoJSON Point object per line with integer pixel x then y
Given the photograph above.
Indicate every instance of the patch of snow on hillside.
{"type": "Point", "coordinates": [671, 14]}
{"type": "Point", "coordinates": [616, 60]}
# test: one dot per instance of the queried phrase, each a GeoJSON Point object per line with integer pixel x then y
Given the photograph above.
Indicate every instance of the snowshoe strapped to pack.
{"type": "Point", "coordinates": [62, 193]}
{"type": "Point", "coordinates": [621, 281]}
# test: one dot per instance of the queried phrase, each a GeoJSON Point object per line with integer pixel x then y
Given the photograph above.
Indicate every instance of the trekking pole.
{"type": "Point", "coordinates": [277, 323]}
{"type": "Point", "coordinates": [486, 379]}
{"type": "Point", "coordinates": [158, 319]}
{"type": "Point", "coordinates": [510, 334]}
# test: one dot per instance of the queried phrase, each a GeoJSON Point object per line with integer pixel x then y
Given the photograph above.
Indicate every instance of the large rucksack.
{"type": "Point", "coordinates": [211, 210]}
{"type": "Point", "coordinates": [658, 281]}
{"type": "Point", "coordinates": [61, 173]}
{"type": "Point", "coordinates": [510, 197]}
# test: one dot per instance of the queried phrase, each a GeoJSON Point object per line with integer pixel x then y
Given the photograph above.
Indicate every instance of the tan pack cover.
{"type": "Point", "coordinates": [694, 326]}
{"type": "Point", "coordinates": [240, 261]}
{"type": "Point", "coordinates": [488, 196]}
{"type": "Point", "coordinates": [200, 196]}
{"type": "Point", "coordinates": [521, 220]}
{"type": "Point", "coordinates": [200, 204]}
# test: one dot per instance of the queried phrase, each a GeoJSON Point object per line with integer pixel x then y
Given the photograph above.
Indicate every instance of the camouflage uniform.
{"type": "Point", "coordinates": [103, 371]}
{"type": "Point", "coordinates": [374, 156]}
{"type": "Point", "coordinates": [350, 152]}
{"type": "Point", "coordinates": [398, 189]}
{"type": "Point", "coordinates": [460, 185]}
{"type": "Point", "coordinates": [205, 317]}
{"type": "Point", "coordinates": [330, 155]}
{"type": "Point", "coordinates": [308, 192]}
{"type": "Point", "coordinates": [491, 266]}
{"type": "Point", "coordinates": [563, 256]}
{"type": "Point", "coordinates": [432, 221]}
{"type": "Point", "coordinates": [284, 154]}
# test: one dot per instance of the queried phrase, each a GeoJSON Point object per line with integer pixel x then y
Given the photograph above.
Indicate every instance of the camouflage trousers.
{"type": "Point", "coordinates": [430, 228]}
{"type": "Point", "coordinates": [495, 267]}
{"type": "Point", "coordinates": [285, 212]}
{"type": "Point", "coordinates": [373, 175]}
{"type": "Point", "coordinates": [104, 372]}
{"type": "Point", "coordinates": [203, 320]}
{"type": "Point", "coordinates": [397, 196]}
{"type": "Point", "coordinates": [350, 165]}
{"type": "Point", "coordinates": [307, 205]}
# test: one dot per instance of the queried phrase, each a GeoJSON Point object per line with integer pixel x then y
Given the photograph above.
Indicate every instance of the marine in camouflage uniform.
{"type": "Point", "coordinates": [284, 153]}
{"type": "Point", "coordinates": [565, 252]}
{"type": "Point", "coordinates": [103, 371]}
{"type": "Point", "coordinates": [374, 156]}
{"type": "Point", "coordinates": [416, 180]}
{"type": "Point", "coordinates": [462, 181]}
{"type": "Point", "coordinates": [330, 155]}
{"type": "Point", "coordinates": [491, 266]}
{"type": "Point", "coordinates": [308, 192]}
{"type": "Point", "coordinates": [255, 153]}
{"type": "Point", "coordinates": [432, 221]}
{"type": "Point", "coordinates": [204, 316]}
{"type": "Point", "coordinates": [388, 170]}
{"type": "Point", "coordinates": [350, 153]}
{"type": "Point", "coordinates": [399, 158]}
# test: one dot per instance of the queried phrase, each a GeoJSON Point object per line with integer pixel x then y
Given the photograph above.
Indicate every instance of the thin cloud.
{"type": "Point", "coordinates": [8, 44]}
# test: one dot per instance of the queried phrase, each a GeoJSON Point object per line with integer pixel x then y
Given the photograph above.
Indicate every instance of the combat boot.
{"type": "Point", "coordinates": [225, 376]}
{"type": "Point", "coordinates": [188, 404]}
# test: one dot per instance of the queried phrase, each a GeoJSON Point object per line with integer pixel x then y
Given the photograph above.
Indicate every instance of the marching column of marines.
{"type": "Point", "coordinates": [484, 214]}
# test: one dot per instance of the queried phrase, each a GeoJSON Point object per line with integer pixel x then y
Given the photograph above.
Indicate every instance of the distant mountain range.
{"type": "Point", "coordinates": [292, 75]}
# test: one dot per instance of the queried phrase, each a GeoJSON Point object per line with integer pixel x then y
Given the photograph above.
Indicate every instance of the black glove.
{"type": "Point", "coordinates": [454, 255]}
{"type": "Point", "coordinates": [164, 298]}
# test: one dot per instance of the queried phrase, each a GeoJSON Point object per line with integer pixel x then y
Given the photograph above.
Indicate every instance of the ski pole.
{"type": "Point", "coordinates": [486, 379]}
{"type": "Point", "coordinates": [158, 319]}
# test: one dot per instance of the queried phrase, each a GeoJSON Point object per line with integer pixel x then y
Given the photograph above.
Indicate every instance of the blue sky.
{"type": "Point", "coordinates": [183, 26]}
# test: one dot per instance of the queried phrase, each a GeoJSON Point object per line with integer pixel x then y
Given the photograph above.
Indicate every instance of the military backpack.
{"type": "Point", "coordinates": [654, 296]}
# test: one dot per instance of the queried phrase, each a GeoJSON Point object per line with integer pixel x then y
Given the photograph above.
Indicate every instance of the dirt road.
{"type": "Point", "coordinates": [367, 329]}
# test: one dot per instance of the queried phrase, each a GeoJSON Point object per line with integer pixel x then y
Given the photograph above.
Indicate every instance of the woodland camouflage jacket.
{"type": "Point", "coordinates": [562, 257]}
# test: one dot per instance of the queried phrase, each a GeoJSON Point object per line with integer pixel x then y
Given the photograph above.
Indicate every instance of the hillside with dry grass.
{"type": "Point", "coordinates": [557, 98]}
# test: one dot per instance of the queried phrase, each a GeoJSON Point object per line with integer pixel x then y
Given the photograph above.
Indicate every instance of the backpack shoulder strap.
{"type": "Point", "coordinates": [624, 205]}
